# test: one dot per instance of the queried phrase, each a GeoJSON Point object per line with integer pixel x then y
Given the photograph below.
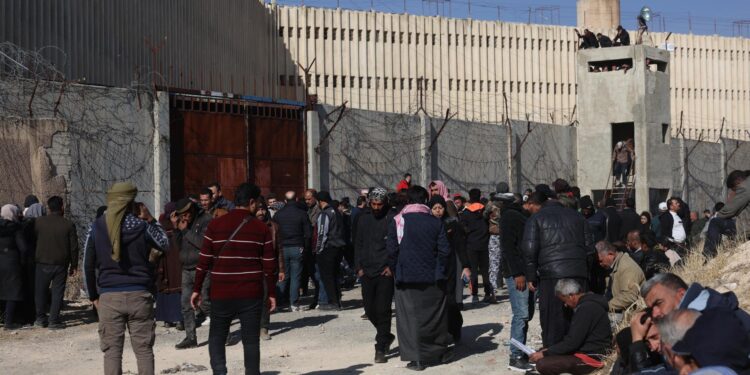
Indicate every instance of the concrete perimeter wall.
{"type": "Point", "coordinates": [370, 148]}
{"type": "Point", "coordinates": [78, 148]}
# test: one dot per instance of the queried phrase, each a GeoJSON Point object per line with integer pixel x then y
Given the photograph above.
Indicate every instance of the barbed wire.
{"type": "Point", "coordinates": [92, 136]}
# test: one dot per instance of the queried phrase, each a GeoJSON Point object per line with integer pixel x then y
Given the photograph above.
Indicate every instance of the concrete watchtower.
{"type": "Point", "coordinates": [598, 14]}
{"type": "Point", "coordinates": [623, 93]}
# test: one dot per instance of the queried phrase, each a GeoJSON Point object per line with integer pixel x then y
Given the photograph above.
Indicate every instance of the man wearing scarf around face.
{"type": "Point", "coordinates": [123, 291]}
{"type": "Point", "coordinates": [418, 251]}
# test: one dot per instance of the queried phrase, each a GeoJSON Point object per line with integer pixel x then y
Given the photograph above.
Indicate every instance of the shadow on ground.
{"type": "Point", "coordinates": [308, 321]}
{"type": "Point", "coordinates": [477, 339]}
{"type": "Point", "coordinates": [354, 369]}
{"type": "Point", "coordinates": [78, 315]}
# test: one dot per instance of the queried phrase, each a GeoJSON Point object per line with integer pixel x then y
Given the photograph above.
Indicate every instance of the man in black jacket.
{"type": "Point", "coordinates": [371, 264]}
{"type": "Point", "coordinates": [477, 241]}
{"type": "Point", "coordinates": [641, 249]}
{"type": "Point", "coordinates": [190, 222]}
{"type": "Point", "coordinates": [630, 220]}
{"type": "Point", "coordinates": [512, 222]}
{"type": "Point", "coordinates": [613, 221]}
{"type": "Point", "coordinates": [556, 245]}
{"type": "Point", "coordinates": [329, 249]}
{"type": "Point", "coordinates": [590, 333]}
{"type": "Point", "coordinates": [295, 233]}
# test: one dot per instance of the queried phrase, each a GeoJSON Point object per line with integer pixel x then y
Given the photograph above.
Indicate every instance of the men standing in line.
{"type": "Point", "coordinates": [310, 270]}
{"type": "Point", "coordinates": [328, 249]}
{"type": "Point", "coordinates": [477, 241]}
{"type": "Point", "coordinates": [122, 291]}
{"type": "Point", "coordinates": [512, 266]}
{"type": "Point", "coordinates": [371, 264]}
{"type": "Point", "coordinates": [205, 197]}
{"type": "Point", "coordinates": [556, 245]}
{"type": "Point", "coordinates": [418, 250]}
{"type": "Point", "coordinates": [190, 223]}
{"type": "Point", "coordinates": [629, 219]}
{"type": "Point", "coordinates": [238, 252]}
{"type": "Point", "coordinates": [219, 201]}
{"type": "Point", "coordinates": [404, 184]}
{"type": "Point", "coordinates": [295, 232]}
{"type": "Point", "coordinates": [56, 259]}
{"type": "Point", "coordinates": [613, 222]}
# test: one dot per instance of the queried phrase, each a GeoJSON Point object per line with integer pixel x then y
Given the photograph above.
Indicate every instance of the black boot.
{"type": "Point", "coordinates": [187, 343]}
{"type": "Point", "coordinates": [380, 357]}
{"type": "Point", "coordinates": [415, 365]}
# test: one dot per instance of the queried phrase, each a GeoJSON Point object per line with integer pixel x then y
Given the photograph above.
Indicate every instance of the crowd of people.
{"type": "Point", "coordinates": [207, 260]}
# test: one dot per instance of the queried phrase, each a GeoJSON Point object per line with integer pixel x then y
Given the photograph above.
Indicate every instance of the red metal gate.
{"type": "Point", "coordinates": [232, 141]}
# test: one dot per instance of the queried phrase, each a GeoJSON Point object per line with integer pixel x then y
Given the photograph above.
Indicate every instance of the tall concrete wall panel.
{"type": "Point", "coordinates": [471, 155]}
{"type": "Point", "coordinates": [548, 152]}
{"type": "Point", "coordinates": [78, 148]}
{"type": "Point", "coordinates": [367, 149]}
{"type": "Point", "coordinates": [704, 175]}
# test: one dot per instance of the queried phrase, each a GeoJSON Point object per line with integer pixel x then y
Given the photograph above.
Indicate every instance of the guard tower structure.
{"type": "Point", "coordinates": [623, 93]}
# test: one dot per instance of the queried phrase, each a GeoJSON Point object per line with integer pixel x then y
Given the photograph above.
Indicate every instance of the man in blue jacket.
{"type": "Point", "coordinates": [418, 250]}
{"type": "Point", "coordinates": [123, 290]}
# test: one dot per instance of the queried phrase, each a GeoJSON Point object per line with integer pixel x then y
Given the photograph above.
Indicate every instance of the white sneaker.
{"type": "Point", "coordinates": [296, 308]}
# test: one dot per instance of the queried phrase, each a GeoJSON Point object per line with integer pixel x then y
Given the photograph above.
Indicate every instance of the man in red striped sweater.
{"type": "Point", "coordinates": [238, 252]}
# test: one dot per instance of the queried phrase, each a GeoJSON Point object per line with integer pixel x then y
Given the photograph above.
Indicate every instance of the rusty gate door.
{"type": "Point", "coordinates": [233, 141]}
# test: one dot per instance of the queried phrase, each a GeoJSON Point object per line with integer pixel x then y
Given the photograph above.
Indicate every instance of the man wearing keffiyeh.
{"type": "Point", "coordinates": [122, 290]}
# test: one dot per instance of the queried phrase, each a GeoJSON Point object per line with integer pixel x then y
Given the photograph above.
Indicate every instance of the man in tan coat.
{"type": "Point", "coordinates": [625, 278]}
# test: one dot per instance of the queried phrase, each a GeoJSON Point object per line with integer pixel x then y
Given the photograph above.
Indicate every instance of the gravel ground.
{"type": "Point", "coordinates": [308, 342]}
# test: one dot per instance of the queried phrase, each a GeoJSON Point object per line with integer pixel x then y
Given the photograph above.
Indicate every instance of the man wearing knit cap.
{"type": "Point", "coordinates": [371, 264]}
{"type": "Point", "coordinates": [190, 222]}
{"type": "Point", "coordinates": [122, 291]}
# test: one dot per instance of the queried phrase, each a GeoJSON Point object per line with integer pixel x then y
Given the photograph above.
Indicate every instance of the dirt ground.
{"type": "Point", "coordinates": [308, 342]}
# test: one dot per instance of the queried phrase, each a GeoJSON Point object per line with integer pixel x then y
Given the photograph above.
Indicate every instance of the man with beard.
{"type": "Point", "coordinates": [371, 264]}
{"type": "Point", "coordinates": [190, 222]}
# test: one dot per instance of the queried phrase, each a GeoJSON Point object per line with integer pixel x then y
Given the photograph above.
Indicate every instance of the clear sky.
{"type": "Point", "coordinates": [679, 16]}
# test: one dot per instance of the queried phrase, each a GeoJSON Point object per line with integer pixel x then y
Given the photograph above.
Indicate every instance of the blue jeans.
{"type": "Point", "coordinates": [322, 297]}
{"type": "Point", "coordinates": [293, 269]}
{"type": "Point", "coordinates": [716, 228]}
{"type": "Point", "coordinates": [522, 306]}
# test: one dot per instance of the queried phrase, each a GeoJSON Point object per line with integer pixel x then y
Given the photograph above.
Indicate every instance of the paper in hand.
{"type": "Point", "coordinates": [525, 349]}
